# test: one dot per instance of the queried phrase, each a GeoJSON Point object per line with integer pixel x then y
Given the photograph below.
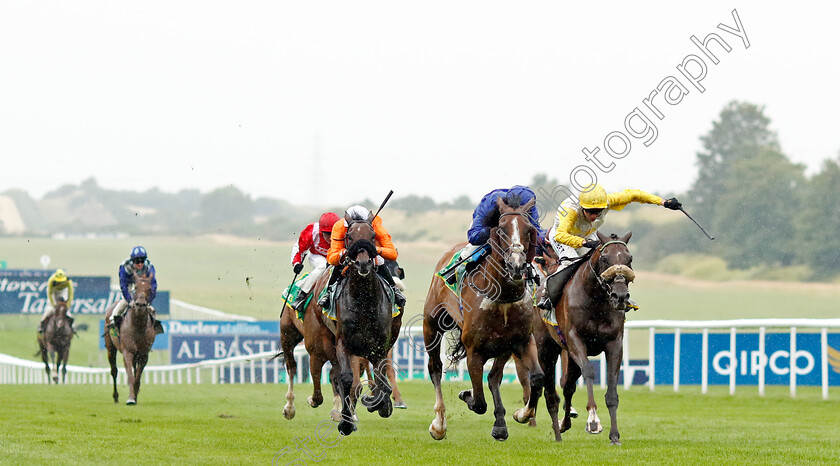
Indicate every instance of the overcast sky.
{"type": "Point", "coordinates": [331, 102]}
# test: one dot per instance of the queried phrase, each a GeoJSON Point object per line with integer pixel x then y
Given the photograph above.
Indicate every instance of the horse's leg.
{"type": "Point", "coordinates": [345, 386]}
{"type": "Point", "coordinates": [316, 363]}
{"type": "Point", "coordinates": [614, 354]}
{"type": "Point", "coordinates": [46, 359]}
{"type": "Point", "coordinates": [335, 414]}
{"type": "Point", "coordinates": [128, 362]}
{"type": "Point", "coordinates": [65, 355]}
{"type": "Point", "coordinates": [382, 387]}
{"type": "Point", "coordinates": [522, 377]}
{"type": "Point", "coordinates": [536, 380]}
{"type": "Point", "coordinates": [474, 398]}
{"type": "Point", "coordinates": [54, 358]}
{"type": "Point", "coordinates": [140, 361]}
{"type": "Point", "coordinates": [571, 373]}
{"type": "Point", "coordinates": [289, 338]}
{"type": "Point", "coordinates": [548, 353]}
{"type": "Point", "coordinates": [432, 336]}
{"type": "Point", "coordinates": [494, 379]}
{"type": "Point", "coordinates": [392, 379]}
{"type": "Point", "coordinates": [112, 360]}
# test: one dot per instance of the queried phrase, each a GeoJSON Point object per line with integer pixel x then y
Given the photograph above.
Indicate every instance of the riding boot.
{"type": "Point", "coordinates": [41, 327]}
{"type": "Point", "coordinates": [545, 302]}
{"type": "Point", "coordinates": [532, 275]}
{"type": "Point", "coordinates": [324, 302]}
{"type": "Point", "coordinates": [158, 327]}
{"type": "Point", "coordinates": [71, 320]}
{"type": "Point", "coordinates": [301, 299]}
{"type": "Point", "coordinates": [399, 298]}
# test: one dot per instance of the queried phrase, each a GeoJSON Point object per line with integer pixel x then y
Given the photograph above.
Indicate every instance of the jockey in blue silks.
{"type": "Point", "coordinates": [486, 216]}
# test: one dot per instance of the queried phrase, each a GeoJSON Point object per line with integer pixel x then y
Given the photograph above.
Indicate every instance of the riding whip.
{"type": "Point", "coordinates": [286, 299]}
{"type": "Point", "coordinates": [384, 202]}
{"type": "Point", "coordinates": [698, 225]}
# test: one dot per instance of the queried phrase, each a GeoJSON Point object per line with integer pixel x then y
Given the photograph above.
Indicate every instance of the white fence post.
{"type": "Point", "coordinates": [733, 360]}
{"type": "Point", "coordinates": [792, 360]}
{"type": "Point", "coordinates": [704, 357]}
{"type": "Point", "coordinates": [652, 357]}
{"type": "Point", "coordinates": [676, 360]}
{"type": "Point", "coordinates": [824, 356]}
{"type": "Point", "coordinates": [763, 363]}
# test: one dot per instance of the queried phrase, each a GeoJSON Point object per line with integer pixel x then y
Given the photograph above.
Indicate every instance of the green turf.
{"type": "Point", "coordinates": [215, 424]}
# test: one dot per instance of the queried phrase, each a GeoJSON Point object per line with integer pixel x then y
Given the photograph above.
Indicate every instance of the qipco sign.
{"type": "Point", "coordinates": [747, 362]}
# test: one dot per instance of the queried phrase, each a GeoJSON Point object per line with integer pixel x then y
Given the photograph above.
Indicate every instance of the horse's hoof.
{"type": "Point", "coordinates": [131, 402]}
{"type": "Point", "coordinates": [437, 433]}
{"type": "Point", "coordinates": [346, 428]}
{"type": "Point", "coordinates": [565, 425]}
{"type": "Point", "coordinates": [335, 416]}
{"type": "Point", "coordinates": [400, 405]}
{"type": "Point", "coordinates": [289, 412]}
{"type": "Point", "coordinates": [594, 427]}
{"type": "Point", "coordinates": [500, 433]}
{"type": "Point", "coordinates": [386, 409]}
{"type": "Point", "coordinates": [573, 412]}
{"type": "Point", "coordinates": [313, 402]}
{"type": "Point", "coordinates": [522, 416]}
{"type": "Point", "coordinates": [464, 395]}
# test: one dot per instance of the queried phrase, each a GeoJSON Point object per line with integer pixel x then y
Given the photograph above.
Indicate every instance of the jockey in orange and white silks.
{"type": "Point", "coordinates": [384, 247]}
{"type": "Point", "coordinates": [577, 221]}
{"type": "Point", "coordinates": [314, 241]}
{"type": "Point", "coordinates": [58, 287]}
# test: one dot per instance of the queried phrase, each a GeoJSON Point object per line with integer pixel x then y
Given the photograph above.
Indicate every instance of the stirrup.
{"type": "Point", "coordinates": [545, 303]}
{"type": "Point", "coordinates": [324, 302]}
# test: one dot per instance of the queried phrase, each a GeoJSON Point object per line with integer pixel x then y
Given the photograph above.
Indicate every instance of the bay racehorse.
{"type": "Point", "coordinates": [492, 318]}
{"type": "Point", "coordinates": [55, 341]}
{"type": "Point", "coordinates": [134, 339]}
{"type": "Point", "coordinates": [319, 342]}
{"type": "Point", "coordinates": [365, 325]}
{"type": "Point", "coordinates": [590, 316]}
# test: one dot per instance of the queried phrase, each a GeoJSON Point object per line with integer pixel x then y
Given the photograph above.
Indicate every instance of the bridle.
{"type": "Point", "coordinates": [605, 284]}
{"type": "Point", "coordinates": [517, 247]}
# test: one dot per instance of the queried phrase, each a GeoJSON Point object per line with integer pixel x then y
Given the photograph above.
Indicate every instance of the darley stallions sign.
{"type": "Point", "coordinates": [25, 292]}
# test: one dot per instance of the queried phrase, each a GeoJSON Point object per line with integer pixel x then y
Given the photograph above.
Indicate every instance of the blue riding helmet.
{"type": "Point", "coordinates": [138, 252]}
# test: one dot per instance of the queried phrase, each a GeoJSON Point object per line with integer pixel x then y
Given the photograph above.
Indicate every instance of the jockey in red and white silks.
{"type": "Point", "coordinates": [314, 241]}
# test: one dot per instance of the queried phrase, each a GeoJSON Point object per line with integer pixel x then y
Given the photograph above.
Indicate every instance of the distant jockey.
{"type": "Point", "coordinates": [575, 227]}
{"type": "Point", "coordinates": [139, 263]}
{"type": "Point", "coordinates": [315, 240]}
{"type": "Point", "coordinates": [485, 217]}
{"type": "Point", "coordinates": [58, 287]}
{"type": "Point", "coordinates": [384, 246]}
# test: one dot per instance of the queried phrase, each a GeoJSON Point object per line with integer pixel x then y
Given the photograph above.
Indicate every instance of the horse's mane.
{"type": "Point", "coordinates": [359, 246]}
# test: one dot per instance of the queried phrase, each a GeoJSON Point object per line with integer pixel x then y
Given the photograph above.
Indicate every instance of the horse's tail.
{"type": "Point", "coordinates": [457, 351]}
{"type": "Point", "coordinates": [278, 355]}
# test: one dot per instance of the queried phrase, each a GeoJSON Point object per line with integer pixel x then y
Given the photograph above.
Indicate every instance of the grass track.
{"type": "Point", "coordinates": [212, 424]}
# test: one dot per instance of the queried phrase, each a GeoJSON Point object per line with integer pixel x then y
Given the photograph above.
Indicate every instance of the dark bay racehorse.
{"type": "Point", "coordinates": [136, 336]}
{"type": "Point", "coordinates": [55, 341]}
{"type": "Point", "coordinates": [494, 319]}
{"type": "Point", "coordinates": [365, 326]}
{"type": "Point", "coordinates": [590, 318]}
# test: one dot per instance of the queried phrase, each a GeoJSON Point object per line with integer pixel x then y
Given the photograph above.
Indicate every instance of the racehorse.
{"type": "Point", "coordinates": [319, 342]}
{"type": "Point", "coordinates": [365, 326]}
{"type": "Point", "coordinates": [590, 316]}
{"type": "Point", "coordinates": [495, 322]}
{"type": "Point", "coordinates": [135, 338]}
{"type": "Point", "coordinates": [55, 341]}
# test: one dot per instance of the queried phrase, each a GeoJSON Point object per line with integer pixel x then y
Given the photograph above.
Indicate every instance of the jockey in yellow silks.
{"type": "Point", "coordinates": [577, 221]}
{"type": "Point", "coordinates": [58, 287]}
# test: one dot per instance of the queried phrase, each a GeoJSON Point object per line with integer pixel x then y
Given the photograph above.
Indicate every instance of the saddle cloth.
{"type": "Point", "coordinates": [290, 294]}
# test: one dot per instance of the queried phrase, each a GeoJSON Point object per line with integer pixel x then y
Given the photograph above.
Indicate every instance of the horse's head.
{"type": "Point", "coordinates": [361, 251]}
{"type": "Point", "coordinates": [142, 289]}
{"type": "Point", "coordinates": [613, 268]}
{"type": "Point", "coordinates": [60, 308]}
{"type": "Point", "coordinates": [514, 236]}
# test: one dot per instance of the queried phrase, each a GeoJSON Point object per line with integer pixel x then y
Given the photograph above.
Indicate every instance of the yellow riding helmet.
{"type": "Point", "coordinates": [593, 197]}
{"type": "Point", "coordinates": [60, 276]}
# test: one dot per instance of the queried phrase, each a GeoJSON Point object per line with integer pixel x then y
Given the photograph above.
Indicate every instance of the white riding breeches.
{"type": "Point", "coordinates": [319, 266]}
{"type": "Point", "coordinates": [567, 253]}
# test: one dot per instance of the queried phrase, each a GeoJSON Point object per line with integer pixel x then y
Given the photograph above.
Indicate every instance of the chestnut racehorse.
{"type": "Point", "coordinates": [493, 318]}
{"type": "Point", "coordinates": [55, 341]}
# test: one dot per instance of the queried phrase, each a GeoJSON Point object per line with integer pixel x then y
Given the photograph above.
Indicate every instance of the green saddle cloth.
{"type": "Point", "coordinates": [290, 294]}
{"type": "Point", "coordinates": [460, 272]}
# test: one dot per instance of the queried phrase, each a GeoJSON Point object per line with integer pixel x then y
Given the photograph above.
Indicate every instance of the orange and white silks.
{"type": "Point", "coordinates": [384, 246]}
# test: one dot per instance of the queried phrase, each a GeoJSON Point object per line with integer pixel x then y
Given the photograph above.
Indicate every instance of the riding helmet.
{"type": "Point", "coordinates": [327, 221]}
{"type": "Point", "coordinates": [138, 251]}
{"type": "Point", "coordinates": [60, 276]}
{"type": "Point", "coordinates": [594, 197]}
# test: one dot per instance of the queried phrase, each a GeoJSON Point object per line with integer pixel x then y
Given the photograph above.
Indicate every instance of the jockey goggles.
{"type": "Point", "coordinates": [593, 211]}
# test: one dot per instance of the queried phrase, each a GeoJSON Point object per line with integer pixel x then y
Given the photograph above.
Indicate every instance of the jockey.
{"type": "Point", "coordinates": [58, 287]}
{"type": "Point", "coordinates": [137, 262]}
{"type": "Point", "coordinates": [575, 227]}
{"type": "Point", "coordinates": [314, 239]}
{"type": "Point", "coordinates": [384, 246]}
{"type": "Point", "coordinates": [485, 217]}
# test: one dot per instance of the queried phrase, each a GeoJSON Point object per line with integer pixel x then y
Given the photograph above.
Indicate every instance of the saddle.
{"type": "Point", "coordinates": [555, 283]}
